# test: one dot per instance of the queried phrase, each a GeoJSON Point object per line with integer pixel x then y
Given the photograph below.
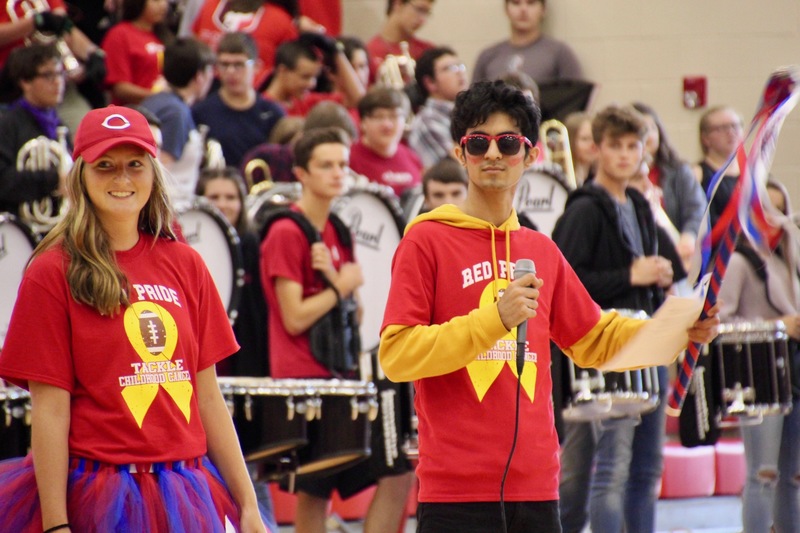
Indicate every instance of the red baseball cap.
{"type": "Point", "coordinates": [104, 128]}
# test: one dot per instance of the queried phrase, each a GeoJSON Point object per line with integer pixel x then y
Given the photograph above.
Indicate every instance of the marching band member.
{"type": "Point", "coordinates": [39, 73]}
{"type": "Point", "coordinates": [297, 297]}
{"type": "Point", "coordinates": [768, 288]}
{"type": "Point", "coordinates": [116, 332]}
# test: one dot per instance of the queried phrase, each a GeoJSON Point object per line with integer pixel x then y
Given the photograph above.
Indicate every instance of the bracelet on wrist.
{"type": "Point", "coordinates": [336, 292]}
{"type": "Point", "coordinates": [56, 528]}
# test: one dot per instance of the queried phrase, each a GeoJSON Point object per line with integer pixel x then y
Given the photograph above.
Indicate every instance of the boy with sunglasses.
{"type": "Point", "coordinates": [451, 324]}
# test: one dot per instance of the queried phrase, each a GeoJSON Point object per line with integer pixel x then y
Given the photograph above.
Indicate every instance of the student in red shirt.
{"type": "Point", "coordinates": [116, 332]}
{"type": "Point", "coordinates": [379, 154]}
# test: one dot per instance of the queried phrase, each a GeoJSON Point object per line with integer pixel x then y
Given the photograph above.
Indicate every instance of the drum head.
{"type": "Point", "coordinates": [17, 242]}
{"type": "Point", "coordinates": [541, 195]}
{"type": "Point", "coordinates": [374, 217]}
{"type": "Point", "coordinates": [209, 232]}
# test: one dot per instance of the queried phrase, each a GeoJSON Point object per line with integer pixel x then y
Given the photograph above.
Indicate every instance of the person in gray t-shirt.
{"type": "Point", "coordinates": [539, 56]}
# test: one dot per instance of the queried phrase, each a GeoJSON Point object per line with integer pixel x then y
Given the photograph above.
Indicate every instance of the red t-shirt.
{"type": "Point", "coordinates": [19, 8]}
{"type": "Point", "coordinates": [400, 172]}
{"type": "Point", "coordinates": [325, 12]}
{"type": "Point", "coordinates": [269, 26]}
{"type": "Point", "coordinates": [466, 417]}
{"type": "Point", "coordinates": [133, 55]}
{"type": "Point", "coordinates": [132, 377]}
{"type": "Point", "coordinates": [378, 48]}
{"type": "Point", "coordinates": [285, 253]}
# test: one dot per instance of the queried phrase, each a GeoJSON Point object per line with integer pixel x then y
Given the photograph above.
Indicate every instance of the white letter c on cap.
{"type": "Point", "coordinates": [121, 122]}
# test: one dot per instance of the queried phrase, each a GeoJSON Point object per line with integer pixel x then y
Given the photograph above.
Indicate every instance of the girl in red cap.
{"type": "Point", "coordinates": [115, 332]}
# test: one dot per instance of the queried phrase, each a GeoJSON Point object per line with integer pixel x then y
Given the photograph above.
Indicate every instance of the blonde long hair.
{"type": "Point", "coordinates": [93, 275]}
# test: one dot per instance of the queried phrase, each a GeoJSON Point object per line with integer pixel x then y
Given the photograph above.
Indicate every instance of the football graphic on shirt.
{"type": "Point", "coordinates": [153, 332]}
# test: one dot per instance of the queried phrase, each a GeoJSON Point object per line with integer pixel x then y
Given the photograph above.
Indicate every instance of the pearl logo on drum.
{"type": "Point", "coordinates": [364, 236]}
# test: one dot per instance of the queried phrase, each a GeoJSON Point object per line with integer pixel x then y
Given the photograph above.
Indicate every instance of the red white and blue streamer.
{"type": "Point", "coordinates": [747, 209]}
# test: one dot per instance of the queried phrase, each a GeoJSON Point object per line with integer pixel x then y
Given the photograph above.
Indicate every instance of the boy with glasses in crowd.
{"type": "Point", "coordinates": [38, 73]}
{"type": "Point", "coordinates": [379, 154]}
{"type": "Point", "coordinates": [237, 116]}
{"type": "Point", "coordinates": [404, 18]}
{"type": "Point", "coordinates": [440, 75]}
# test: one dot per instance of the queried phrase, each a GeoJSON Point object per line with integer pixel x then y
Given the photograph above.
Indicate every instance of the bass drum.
{"type": "Point", "coordinates": [373, 214]}
{"type": "Point", "coordinates": [209, 232]}
{"type": "Point", "coordinates": [261, 204]}
{"type": "Point", "coordinates": [541, 195]}
{"type": "Point", "coordinates": [17, 241]}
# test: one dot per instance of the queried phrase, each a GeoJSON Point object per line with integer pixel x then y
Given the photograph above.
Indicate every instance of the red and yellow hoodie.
{"type": "Point", "coordinates": [442, 330]}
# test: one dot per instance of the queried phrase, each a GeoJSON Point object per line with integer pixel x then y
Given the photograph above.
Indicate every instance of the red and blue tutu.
{"type": "Point", "coordinates": [177, 497]}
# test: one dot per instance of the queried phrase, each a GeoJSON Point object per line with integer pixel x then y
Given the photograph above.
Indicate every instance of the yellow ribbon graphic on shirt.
{"type": "Point", "coordinates": [487, 366]}
{"type": "Point", "coordinates": [153, 333]}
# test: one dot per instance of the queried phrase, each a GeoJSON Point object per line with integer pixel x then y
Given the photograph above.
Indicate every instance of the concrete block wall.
{"type": "Point", "coordinates": [641, 50]}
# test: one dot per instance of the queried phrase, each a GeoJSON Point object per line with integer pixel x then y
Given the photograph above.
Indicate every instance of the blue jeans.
{"type": "Point", "coordinates": [627, 460]}
{"type": "Point", "coordinates": [773, 448]}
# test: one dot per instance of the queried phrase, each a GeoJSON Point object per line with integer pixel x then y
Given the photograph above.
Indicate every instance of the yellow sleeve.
{"type": "Point", "coordinates": [604, 340]}
{"type": "Point", "coordinates": [408, 353]}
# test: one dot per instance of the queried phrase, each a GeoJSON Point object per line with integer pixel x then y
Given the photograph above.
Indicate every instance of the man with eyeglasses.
{"type": "Point", "coordinates": [440, 76]}
{"type": "Point", "coordinates": [404, 18]}
{"type": "Point", "coordinates": [721, 131]}
{"type": "Point", "coordinates": [528, 50]}
{"type": "Point", "coordinates": [236, 115]}
{"type": "Point", "coordinates": [451, 325]}
{"type": "Point", "coordinates": [378, 154]}
{"type": "Point", "coordinates": [38, 73]}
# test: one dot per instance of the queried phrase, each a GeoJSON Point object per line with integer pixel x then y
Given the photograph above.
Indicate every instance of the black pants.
{"type": "Point", "coordinates": [485, 517]}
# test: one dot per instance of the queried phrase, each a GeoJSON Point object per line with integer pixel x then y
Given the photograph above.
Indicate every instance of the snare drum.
{"type": "Point", "coordinates": [17, 242]}
{"type": "Point", "coordinates": [209, 232]}
{"type": "Point", "coordinates": [270, 415]}
{"type": "Point", "coordinates": [15, 421]}
{"type": "Point", "coordinates": [594, 395]}
{"type": "Point", "coordinates": [339, 424]}
{"type": "Point", "coordinates": [373, 214]}
{"type": "Point", "coordinates": [541, 195]}
{"type": "Point", "coordinates": [752, 374]}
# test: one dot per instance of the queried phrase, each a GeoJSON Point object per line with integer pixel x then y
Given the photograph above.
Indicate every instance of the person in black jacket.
{"type": "Point", "coordinates": [39, 73]}
{"type": "Point", "coordinates": [609, 236]}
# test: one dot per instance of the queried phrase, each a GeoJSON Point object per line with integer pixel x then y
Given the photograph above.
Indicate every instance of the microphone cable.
{"type": "Point", "coordinates": [520, 366]}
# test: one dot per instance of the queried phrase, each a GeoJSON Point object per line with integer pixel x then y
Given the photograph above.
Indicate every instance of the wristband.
{"type": "Point", "coordinates": [56, 528]}
{"type": "Point", "coordinates": [336, 292]}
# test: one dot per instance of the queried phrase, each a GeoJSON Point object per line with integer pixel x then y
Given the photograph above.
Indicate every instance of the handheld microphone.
{"type": "Point", "coordinates": [522, 267]}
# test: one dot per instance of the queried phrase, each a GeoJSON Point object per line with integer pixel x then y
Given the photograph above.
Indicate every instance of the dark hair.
{"type": "Point", "coordinates": [131, 10]}
{"type": "Point", "coordinates": [425, 66]}
{"type": "Point", "coordinates": [304, 147]}
{"type": "Point", "coordinates": [351, 44]}
{"type": "Point", "coordinates": [289, 53]}
{"type": "Point", "coordinates": [238, 43]}
{"type": "Point", "coordinates": [666, 155]}
{"type": "Point", "coordinates": [616, 121]}
{"type": "Point", "coordinates": [184, 58]}
{"type": "Point", "coordinates": [485, 98]}
{"type": "Point", "coordinates": [24, 62]}
{"type": "Point", "coordinates": [328, 114]}
{"type": "Point", "coordinates": [381, 97]}
{"type": "Point", "coordinates": [446, 170]}
{"type": "Point", "coordinates": [231, 174]}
